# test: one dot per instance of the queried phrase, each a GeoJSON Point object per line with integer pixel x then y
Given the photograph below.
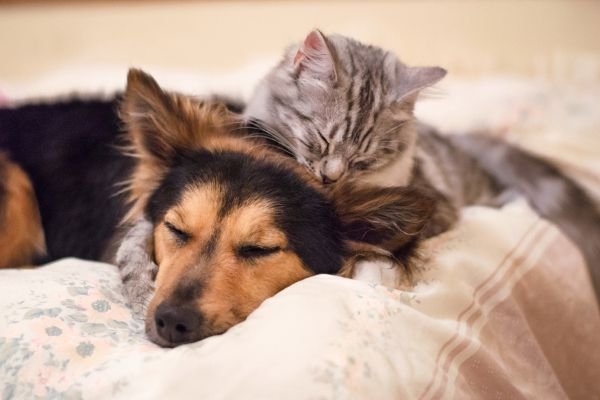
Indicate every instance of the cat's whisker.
{"type": "Point", "coordinates": [270, 146]}
{"type": "Point", "coordinates": [273, 135]}
{"type": "Point", "coordinates": [278, 139]}
{"type": "Point", "coordinates": [275, 148]}
{"type": "Point", "coordinates": [393, 128]}
{"type": "Point", "coordinates": [393, 148]}
{"type": "Point", "coordinates": [263, 134]}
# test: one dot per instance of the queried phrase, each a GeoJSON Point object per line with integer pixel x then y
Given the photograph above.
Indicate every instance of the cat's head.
{"type": "Point", "coordinates": [343, 108]}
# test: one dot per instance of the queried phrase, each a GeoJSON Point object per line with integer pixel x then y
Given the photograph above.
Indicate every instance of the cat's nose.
{"type": "Point", "coordinates": [332, 169]}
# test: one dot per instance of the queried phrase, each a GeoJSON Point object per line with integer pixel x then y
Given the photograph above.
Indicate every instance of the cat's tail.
{"type": "Point", "coordinates": [552, 194]}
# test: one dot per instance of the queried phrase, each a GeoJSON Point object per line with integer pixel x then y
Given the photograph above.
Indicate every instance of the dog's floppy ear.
{"type": "Point", "coordinates": [160, 126]}
{"type": "Point", "coordinates": [383, 221]}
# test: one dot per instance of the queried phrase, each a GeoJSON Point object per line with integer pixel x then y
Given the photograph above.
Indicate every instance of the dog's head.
{"type": "Point", "coordinates": [234, 223]}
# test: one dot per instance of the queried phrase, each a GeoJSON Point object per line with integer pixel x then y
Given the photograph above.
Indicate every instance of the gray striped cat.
{"type": "Point", "coordinates": [345, 111]}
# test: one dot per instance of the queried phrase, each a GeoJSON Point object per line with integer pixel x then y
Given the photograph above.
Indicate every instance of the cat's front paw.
{"type": "Point", "coordinates": [136, 266]}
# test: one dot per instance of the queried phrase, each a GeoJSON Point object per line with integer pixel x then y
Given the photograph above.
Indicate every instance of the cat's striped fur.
{"type": "Point", "coordinates": [342, 108]}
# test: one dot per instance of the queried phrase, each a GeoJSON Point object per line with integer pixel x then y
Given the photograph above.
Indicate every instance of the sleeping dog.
{"type": "Point", "coordinates": [233, 221]}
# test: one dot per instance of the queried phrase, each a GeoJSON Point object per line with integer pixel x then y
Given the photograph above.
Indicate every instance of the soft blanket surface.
{"type": "Point", "coordinates": [504, 307]}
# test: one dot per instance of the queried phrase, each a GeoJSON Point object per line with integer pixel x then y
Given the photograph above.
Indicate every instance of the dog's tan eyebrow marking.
{"type": "Point", "coordinates": [254, 223]}
{"type": "Point", "coordinates": [178, 216]}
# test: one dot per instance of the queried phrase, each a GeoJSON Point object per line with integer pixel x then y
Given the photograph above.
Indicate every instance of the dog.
{"type": "Point", "coordinates": [233, 220]}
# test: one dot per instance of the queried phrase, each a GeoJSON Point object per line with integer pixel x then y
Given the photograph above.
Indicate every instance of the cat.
{"type": "Point", "coordinates": [344, 110]}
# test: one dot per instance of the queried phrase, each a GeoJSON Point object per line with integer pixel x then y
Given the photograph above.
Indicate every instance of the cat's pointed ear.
{"type": "Point", "coordinates": [315, 57]}
{"type": "Point", "coordinates": [411, 80]}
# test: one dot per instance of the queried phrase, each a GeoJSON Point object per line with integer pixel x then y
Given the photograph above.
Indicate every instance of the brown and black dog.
{"type": "Point", "coordinates": [234, 221]}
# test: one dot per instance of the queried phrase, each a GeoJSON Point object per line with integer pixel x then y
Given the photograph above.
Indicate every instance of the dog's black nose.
{"type": "Point", "coordinates": [177, 325]}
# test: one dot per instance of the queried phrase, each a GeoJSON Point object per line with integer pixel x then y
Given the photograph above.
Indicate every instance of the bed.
{"type": "Point", "coordinates": [503, 307]}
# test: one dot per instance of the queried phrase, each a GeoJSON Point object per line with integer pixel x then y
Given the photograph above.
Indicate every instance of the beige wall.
{"type": "Point", "coordinates": [557, 39]}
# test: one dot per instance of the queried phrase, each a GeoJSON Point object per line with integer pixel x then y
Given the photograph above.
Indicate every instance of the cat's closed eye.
{"type": "Point", "coordinates": [362, 165]}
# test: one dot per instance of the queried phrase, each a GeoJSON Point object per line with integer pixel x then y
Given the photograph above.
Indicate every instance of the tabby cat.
{"type": "Point", "coordinates": [345, 110]}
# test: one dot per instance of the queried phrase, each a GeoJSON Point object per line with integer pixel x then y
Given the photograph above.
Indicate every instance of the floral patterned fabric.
{"type": "Point", "coordinates": [66, 319]}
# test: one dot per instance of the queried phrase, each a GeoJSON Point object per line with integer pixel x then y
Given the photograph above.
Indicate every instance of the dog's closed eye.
{"type": "Point", "coordinates": [250, 252]}
{"type": "Point", "coordinates": [181, 236]}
